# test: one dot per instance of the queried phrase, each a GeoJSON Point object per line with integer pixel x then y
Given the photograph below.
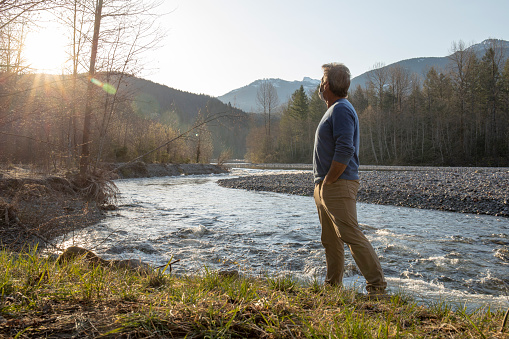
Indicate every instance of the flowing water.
{"type": "Point", "coordinates": [431, 255]}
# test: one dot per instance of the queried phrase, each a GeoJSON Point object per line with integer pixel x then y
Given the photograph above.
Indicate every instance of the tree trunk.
{"type": "Point", "coordinates": [85, 150]}
{"type": "Point", "coordinates": [372, 143]}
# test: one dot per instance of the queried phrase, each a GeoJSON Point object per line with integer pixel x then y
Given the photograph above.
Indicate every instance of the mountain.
{"type": "Point", "coordinates": [155, 100]}
{"type": "Point", "coordinates": [481, 48]}
{"type": "Point", "coordinates": [420, 66]}
{"type": "Point", "coordinates": [181, 109]}
{"type": "Point", "coordinates": [244, 98]}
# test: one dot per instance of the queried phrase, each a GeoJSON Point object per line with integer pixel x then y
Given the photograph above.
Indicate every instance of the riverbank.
{"type": "Point", "coordinates": [36, 207]}
{"type": "Point", "coordinates": [43, 298]}
{"type": "Point", "coordinates": [463, 190]}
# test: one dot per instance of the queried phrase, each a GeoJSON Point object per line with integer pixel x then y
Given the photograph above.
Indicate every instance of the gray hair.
{"type": "Point", "coordinates": [338, 77]}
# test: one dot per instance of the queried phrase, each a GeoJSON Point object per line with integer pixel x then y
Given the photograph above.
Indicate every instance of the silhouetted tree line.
{"type": "Point", "coordinates": [38, 126]}
{"type": "Point", "coordinates": [103, 113]}
{"type": "Point", "coordinates": [453, 117]}
{"type": "Point", "coordinates": [98, 111]}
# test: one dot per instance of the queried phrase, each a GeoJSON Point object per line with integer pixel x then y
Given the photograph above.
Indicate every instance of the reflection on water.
{"type": "Point", "coordinates": [430, 254]}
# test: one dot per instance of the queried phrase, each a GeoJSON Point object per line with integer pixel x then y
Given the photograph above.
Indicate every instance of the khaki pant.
{"type": "Point", "coordinates": [338, 216]}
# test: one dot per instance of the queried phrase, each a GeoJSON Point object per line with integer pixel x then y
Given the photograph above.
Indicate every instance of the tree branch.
{"type": "Point", "coordinates": [216, 116]}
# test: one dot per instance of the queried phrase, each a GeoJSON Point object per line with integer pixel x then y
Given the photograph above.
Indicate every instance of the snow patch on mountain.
{"type": "Point", "coordinates": [245, 97]}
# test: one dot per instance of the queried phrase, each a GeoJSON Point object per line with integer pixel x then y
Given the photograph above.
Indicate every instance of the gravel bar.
{"type": "Point", "coordinates": [464, 190]}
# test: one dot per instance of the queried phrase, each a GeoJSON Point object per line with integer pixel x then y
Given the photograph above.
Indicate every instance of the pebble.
{"type": "Point", "coordinates": [463, 190]}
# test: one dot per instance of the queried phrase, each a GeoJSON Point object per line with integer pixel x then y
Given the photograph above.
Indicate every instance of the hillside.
{"type": "Point", "coordinates": [42, 109]}
{"type": "Point", "coordinates": [245, 97]}
{"type": "Point", "coordinates": [179, 108]}
{"type": "Point", "coordinates": [159, 100]}
{"type": "Point", "coordinates": [416, 65]}
{"type": "Point", "coordinates": [420, 66]}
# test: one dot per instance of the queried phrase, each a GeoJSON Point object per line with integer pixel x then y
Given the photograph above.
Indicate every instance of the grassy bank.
{"type": "Point", "coordinates": [44, 299]}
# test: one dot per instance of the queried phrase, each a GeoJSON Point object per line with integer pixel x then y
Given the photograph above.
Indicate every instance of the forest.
{"type": "Point", "coordinates": [447, 117]}
{"type": "Point", "coordinates": [98, 111]}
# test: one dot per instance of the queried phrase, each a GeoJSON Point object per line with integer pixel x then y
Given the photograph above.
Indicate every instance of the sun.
{"type": "Point", "coordinates": [45, 49]}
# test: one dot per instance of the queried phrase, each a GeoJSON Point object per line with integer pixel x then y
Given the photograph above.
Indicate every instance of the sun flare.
{"type": "Point", "coordinates": [45, 50]}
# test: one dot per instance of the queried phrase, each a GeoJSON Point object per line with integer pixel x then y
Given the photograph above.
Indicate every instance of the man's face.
{"type": "Point", "coordinates": [322, 84]}
{"type": "Point", "coordinates": [322, 88]}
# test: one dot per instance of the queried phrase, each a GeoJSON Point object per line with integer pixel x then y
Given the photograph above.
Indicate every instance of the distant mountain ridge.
{"type": "Point", "coordinates": [421, 66]}
{"type": "Point", "coordinates": [159, 99]}
{"type": "Point", "coordinates": [244, 98]}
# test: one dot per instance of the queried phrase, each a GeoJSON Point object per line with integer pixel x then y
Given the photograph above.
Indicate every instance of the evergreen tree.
{"type": "Point", "coordinates": [359, 99]}
{"type": "Point", "coordinates": [298, 107]}
{"type": "Point", "coordinates": [317, 108]}
{"type": "Point", "coordinates": [295, 144]}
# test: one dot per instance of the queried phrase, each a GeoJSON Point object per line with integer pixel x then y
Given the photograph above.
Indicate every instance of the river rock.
{"type": "Point", "coordinates": [75, 252]}
{"type": "Point", "coordinates": [464, 190]}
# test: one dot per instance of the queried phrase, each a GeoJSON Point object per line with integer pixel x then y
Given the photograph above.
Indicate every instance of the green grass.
{"type": "Point", "coordinates": [42, 299]}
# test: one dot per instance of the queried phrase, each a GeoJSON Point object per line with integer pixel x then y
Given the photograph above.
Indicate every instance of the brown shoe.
{"type": "Point", "coordinates": [377, 296]}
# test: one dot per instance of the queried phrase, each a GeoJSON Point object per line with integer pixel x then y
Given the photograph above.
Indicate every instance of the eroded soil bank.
{"type": "Point", "coordinates": [37, 207]}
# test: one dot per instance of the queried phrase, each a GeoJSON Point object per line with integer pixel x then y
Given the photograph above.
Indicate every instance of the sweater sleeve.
{"type": "Point", "coordinates": [343, 127]}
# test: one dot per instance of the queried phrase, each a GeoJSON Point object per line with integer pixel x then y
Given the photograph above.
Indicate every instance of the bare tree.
{"type": "Point", "coordinates": [12, 11]}
{"type": "Point", "coordinates": [399, 87]}
{"type": "Point", "coordinates": [377, 79]}
{"type": "Point", "coordinates": [462, 67]}
{"type": "Point", "coordinates": [122, 31]}
{"type": "Point", "coordinates": [15, 17]}
{"type": "Point", "coordinates": [491, 66]}
{"type": "Point", "coordinates": [85, 149]}
{"type": "Point", "coordinates": [11, 49]}
{"type": "Point", "coordinates": [268, 100]}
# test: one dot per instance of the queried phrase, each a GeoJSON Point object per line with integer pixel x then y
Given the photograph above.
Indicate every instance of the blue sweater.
{"type": "Point", "coordinates": [337, 138]}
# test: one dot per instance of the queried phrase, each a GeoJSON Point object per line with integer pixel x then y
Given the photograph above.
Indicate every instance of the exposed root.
{"type": "Point", "coordinates": [97, 187]}
{"type": "Point", "coordinates": [8, 214]}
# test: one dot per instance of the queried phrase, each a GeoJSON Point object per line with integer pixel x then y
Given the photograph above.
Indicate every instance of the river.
{"type": "Point", "coordinates": [431, 255]}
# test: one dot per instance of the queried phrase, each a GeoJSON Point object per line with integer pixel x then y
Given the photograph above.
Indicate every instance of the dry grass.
{"type": "Point", "coordinates": [43, 299]}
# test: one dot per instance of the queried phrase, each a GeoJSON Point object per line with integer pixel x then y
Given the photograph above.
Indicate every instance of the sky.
{"type": "Point", "coordinates": [215, 46]}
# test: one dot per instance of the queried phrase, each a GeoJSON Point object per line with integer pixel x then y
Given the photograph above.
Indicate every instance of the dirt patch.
{"type": "Point", "coordinates": [36, 210]}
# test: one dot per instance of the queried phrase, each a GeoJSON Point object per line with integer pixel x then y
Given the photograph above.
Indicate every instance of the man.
{"type": "Point", "coordinates": [336, 176]}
